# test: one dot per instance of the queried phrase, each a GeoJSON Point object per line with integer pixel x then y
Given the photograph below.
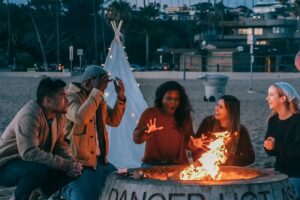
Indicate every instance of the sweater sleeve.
{"type": "Point", "coordinates": [291, 149]}
{"type": "Point", "coordinates": [270, 134]}
{"type": "Point", "coordinates": [116, 113]}
{"type": "Point", "coordinates": [188, 132]}
{"type": "Point", "coordinates": [81, 113]}
{"type": "Point", "coordinates": [245, 154]}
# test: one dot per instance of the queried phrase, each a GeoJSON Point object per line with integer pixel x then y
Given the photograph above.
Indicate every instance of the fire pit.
{"type": "Point", "coordinates": [164, 183]}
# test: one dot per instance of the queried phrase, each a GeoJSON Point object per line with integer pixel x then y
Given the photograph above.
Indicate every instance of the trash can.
{"type": "Point", "coordinates": [214, 85]}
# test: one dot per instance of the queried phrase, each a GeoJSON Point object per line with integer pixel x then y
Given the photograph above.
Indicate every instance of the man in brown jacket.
{"type": "Point", "coordinates": [32, 149]}
{"type": "Point", "coordinates": [88, 113]}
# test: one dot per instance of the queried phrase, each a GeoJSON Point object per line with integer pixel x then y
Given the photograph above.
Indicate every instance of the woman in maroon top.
{"type": "Point", "coordinates": [166, 127]}
{"type": "Point", "coordinates": [226, 118]}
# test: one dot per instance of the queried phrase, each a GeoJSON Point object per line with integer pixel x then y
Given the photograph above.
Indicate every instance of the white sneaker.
{"type": "Point", "coordinates": [12, 197]}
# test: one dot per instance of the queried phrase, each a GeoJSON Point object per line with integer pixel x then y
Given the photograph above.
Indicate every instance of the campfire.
{"type": "Point", "coordinates": [208, 164]}
{"type": "Point", "coordinates": [207, 167]}
{"type": "Point", "coordinates": [206, 179]}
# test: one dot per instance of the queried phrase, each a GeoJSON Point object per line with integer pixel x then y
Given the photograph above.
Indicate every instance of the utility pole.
{"type": "Point", "coordinates": [95, 31]}
{"type": "Point", "coordinates": [9, 34]}
{"type": "Point", "coordinates": [250, 41]}
{"type": "Point", "coordinates": [103, 33]}
{"type": "Point", "coordinates": [57, 34]}
{"type": "Point", "coordinates": [147, 50]}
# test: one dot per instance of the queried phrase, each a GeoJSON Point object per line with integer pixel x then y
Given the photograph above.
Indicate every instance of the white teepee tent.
{"type": "Point", "coordinates": [123, 152]}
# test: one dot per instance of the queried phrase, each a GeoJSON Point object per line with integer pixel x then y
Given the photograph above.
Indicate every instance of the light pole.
{"type": "Point", "coordinates": [250, 41]}
{"type": "Point", "coordinates": [184, 66]}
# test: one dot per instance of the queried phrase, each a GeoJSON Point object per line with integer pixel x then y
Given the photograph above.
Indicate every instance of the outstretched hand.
{"type": "Point", "coordinates": [151, 126]}
{"type": "Point", "coordinates": [201, 143]}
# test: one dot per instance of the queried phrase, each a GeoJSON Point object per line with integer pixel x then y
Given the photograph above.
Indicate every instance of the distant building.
{"type": "Point", "coordinates": [266, 7]}
{"type": "Point", "coordinates": [275, 31]}
{"type": "Point", "coordinates": [182, 13]}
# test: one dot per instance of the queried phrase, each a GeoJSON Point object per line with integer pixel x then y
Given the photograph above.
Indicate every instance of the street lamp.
{"type": "Point", "coordinates": [250, 41]}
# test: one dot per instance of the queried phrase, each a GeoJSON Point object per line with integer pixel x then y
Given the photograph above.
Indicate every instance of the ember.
{"type": "Point", "coordinates": [174, 173]}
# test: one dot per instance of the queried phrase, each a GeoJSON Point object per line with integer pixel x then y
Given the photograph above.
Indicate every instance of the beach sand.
{"type": "Point", "coordinates": [15, 92]}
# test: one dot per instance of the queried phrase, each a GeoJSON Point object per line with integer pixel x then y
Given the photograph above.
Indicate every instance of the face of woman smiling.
{"type": "Point", "coordinates": [221, 113]}
{"type": "Point", "coordinates": [273, 98]}
{"type": "Point", "coordinates": [171, 101]}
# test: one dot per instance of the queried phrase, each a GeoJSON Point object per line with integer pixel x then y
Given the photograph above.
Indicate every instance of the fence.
{"type": "Point", "coordinates": [237, 62]}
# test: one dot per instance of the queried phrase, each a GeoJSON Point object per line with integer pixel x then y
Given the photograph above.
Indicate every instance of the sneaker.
{"type": "Point", "coordinates": [56, 196]}
{"type": "Point", "coordinates": [12, 197]}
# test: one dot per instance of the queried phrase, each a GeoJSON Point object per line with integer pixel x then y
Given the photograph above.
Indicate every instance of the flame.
{"type": "Point", "coordinates": [210, 160]}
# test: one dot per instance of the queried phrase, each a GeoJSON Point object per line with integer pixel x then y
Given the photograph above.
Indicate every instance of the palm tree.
{"type": "Point", "coordinates": [148, 14]}
{"type": "Point", "coordinates": [38, 36]}
{"type": "Point", "coordinates": [119, 10]}
{"type": "Point", "coordinates": [296, 8]}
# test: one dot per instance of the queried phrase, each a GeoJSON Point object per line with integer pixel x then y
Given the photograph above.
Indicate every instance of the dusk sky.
{"type": "Point", "coordinates": [230, 3]}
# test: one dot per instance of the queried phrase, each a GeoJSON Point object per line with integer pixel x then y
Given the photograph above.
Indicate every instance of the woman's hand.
{"type": "Point", "coordinates": [200, 143]}
{"type": "Point", "coordinates": [269, 143]}
{"type": "Point", "coordinates": [151, 126]}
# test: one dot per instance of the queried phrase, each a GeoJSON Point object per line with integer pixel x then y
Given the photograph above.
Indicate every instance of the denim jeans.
{"type": "Point", "coordinates": [89, 185]}
{"type": "Point", "coordinates": [296, 183]}
{"type": "Point", "coordinates": [28, 176]}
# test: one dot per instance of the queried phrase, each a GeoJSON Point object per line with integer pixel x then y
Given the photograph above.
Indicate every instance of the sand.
{"type": "Point", "coordinates": [15, 92]}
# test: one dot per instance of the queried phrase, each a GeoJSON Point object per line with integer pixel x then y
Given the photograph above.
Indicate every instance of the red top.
{"type": "Point", "coordinates": [167, 145]}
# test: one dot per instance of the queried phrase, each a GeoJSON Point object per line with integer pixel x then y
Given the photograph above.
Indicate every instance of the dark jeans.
{"type": "Point", "coordinates": [28, 176]}
{"type": "Point", "coordinates": [89, 185]}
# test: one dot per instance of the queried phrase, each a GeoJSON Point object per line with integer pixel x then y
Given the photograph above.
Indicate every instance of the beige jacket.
{"type": "Point", "coordinates": [81, 126]}
{"type": "Point", "coordinates": [26, 136]}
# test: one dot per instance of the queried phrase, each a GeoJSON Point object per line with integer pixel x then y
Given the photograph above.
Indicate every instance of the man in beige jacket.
{"type": "Point", "coordinates": [32, 149]}
{"type": "Point", "coordinates": [88, 114]}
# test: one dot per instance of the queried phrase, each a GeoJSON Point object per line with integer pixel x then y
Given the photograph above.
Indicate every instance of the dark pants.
{"type": "Point", "coordinates": [28, 176]}
{"type": "Point", "coordinates": [90, 184]}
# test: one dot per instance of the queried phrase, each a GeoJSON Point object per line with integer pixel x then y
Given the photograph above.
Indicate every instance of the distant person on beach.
{"type": "Point", "coordinates": [166, 127]}
{"type": "Point", "coordinates": [88, 114]}
{"type": "Point", "coordinates": [226, 118]}
{"type": "Point", "coordinates": [33, 153]}
{"type": "Point", "coordinates": [282, 139]}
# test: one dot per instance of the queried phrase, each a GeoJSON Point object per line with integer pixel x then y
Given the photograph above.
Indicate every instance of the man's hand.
{"type": "Point", "coordinates": [74, 169]}
{"type": "Point", "coordinates": [100, 82]}
{"type": "Point", "coordinates": [269, 143]}
{"type": "Point", "coordinates": [119, 88]}
{"type": "Point", "coordinates": [151, 126]}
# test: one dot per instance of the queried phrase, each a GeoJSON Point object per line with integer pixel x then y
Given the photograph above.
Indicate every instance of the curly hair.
{"type": "Point", "coordinates": [183, 111]}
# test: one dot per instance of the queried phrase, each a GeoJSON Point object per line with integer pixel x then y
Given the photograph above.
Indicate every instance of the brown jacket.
{"type": "Point", "coordinates": [81, 125]}
{"type": "Point", "coordinates": [26, 138]}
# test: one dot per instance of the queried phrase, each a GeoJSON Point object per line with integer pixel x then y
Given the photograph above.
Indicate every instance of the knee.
{"type": "Point", "coordinates": [111, 168]}
{"type": "Point", "coordinates": [73, 192]}
{"type": "Point", "coordinates": [39, 171]}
